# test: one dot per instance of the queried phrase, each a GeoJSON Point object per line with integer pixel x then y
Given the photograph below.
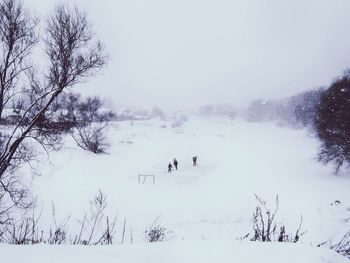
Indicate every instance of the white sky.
{"type": "Point", "coordinates": [184, 53]}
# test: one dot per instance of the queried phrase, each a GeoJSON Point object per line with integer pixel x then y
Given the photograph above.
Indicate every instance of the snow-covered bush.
{"type": "Point", "coordinates": [92, 138]}
{"type": "Point", "coordinates": [91, 124]}
{"type": "Point", "coordinates": [265, 227]}
{"type": "Point", "coordinates": [177, 124]}
{"type": "Point", "coordinates": [156, 232]}
{"type": "Point", "coordinates": [57, 236]}
{"type": "Point", "coordinates": [343, 246]}
{"type": "Point", "coordinates": [157, 113]}
{"type": "Point", "coordinates": [96, 228]}
{"type": "Point", "coordinates": [184, 118]}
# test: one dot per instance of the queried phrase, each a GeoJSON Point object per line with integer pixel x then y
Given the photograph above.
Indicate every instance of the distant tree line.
{"type": "Point", "coordinates": [296, 111]}
{"type": "Point", "coordinates": [218, 110]}
{"type": "Point", "coordinates": [324, 111]}
{"type": "Point", "coordinates": [65, 113]}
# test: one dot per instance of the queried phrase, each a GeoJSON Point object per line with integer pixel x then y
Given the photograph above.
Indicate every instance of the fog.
{"type": "Point", "coordinates": [181, 54]}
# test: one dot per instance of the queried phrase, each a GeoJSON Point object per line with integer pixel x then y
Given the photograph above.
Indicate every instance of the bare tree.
{"type": "Point", "coordinates": [18, 36]}
{"type": "Point", "coordinates": [90, 125]}
{"type": "Point", "coordinates": [74, 54]}
{"type": "Point", "coordinates": [91, 138]}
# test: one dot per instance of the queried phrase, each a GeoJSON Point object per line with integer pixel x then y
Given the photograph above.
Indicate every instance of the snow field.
{"type": "Point", "coordinates": [173, 252]}
{"type": "Point", "coordinates": [213, 201]}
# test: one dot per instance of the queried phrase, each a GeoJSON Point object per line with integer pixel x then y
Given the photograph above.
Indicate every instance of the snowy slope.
{"type": "Point", "coordinates": [213, 201]}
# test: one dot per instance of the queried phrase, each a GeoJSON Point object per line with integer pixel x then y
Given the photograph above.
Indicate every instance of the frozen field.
{"type": "Point", "coordinates": [173, 252]}
{"type": "Point", "coordinates": [211, 202]}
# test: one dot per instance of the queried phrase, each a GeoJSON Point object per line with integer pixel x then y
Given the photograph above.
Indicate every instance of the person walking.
{"type": "Point", "coordinates": [169, 167]}
{"type": "Point", "coordinates": [194, 159]}
{"type": "Point", "coordinates": [175, 162]}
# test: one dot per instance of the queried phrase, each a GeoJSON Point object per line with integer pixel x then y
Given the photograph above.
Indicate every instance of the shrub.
{"type": "Point", "coordinates": [265, 227]}
{"type": "Point", "coordinates": [343, 246]}
{"type": "Point", "coordinates": [156, 232]}
{"type": "Point", "coordinates": [92, 138]}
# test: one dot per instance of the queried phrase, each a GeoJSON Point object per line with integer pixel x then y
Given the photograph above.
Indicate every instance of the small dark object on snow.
{"type": "Point", "coordinates": [175, 163]}
{"type": "Point", "coordinates": [336, 202]}
{"type": "Point", "coordinates": [194, 159]}
{"type": "Point", "coordinates": [169, 167]}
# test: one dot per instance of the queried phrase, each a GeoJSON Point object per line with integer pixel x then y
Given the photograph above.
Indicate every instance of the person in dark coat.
{"type": "Point", "coordinates": [194, 159]}
{"type": "Point", "coordinates": [169, 167]}
{"type": "Point", "coordinates": [175, 163]}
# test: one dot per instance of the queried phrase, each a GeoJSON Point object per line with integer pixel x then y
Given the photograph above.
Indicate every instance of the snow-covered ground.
{"type": "Point", "coordinates": [206, 207]}
{"type": "Point", "coordinates": [173, 252]}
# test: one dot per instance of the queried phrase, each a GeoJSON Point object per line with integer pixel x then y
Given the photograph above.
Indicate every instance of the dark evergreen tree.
{"type": "Point", "coordinates": [332, 123]}
{"type": "Point", "coordinates": [305, 107]}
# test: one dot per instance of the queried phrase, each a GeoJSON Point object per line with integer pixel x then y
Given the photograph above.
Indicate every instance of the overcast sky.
{"type": "Point", "coordinates": [185, 53]}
